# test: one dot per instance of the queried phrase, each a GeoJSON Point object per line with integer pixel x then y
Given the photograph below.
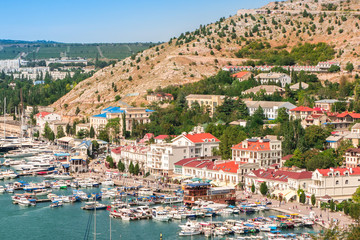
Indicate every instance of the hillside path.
{"type": "Point", "coordinates": [100, 52]}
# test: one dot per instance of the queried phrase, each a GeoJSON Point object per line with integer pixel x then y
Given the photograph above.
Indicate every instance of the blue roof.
{"type": "Point", "coordinates": [66, 165]}
{"type": "Point", "coordinates": [149, 110]}
{"type": "Point", "coordinates": [103, 115]}
{"type": "Point", "coordinates": [112, 110]}
{"type": "Point", "coordinates": [61, 154]}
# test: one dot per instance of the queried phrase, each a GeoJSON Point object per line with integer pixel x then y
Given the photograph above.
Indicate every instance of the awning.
{"type": "Point", "coordinates": [66, 165]}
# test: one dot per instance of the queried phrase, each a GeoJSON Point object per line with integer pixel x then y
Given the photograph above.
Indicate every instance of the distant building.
{"type": "Point", "coordinates": [209, 101]}
{"type": "Point", "coordinates": [325, 104]}
{"type": "Point", "coordinates": [242, 76]}
{"type": "Point", "coordinates": [46, 117]}
{"type": "Point", "coordinates": [298, 86]}
{"type": "Point", "coordinates": [158, 97]}
{"type": "Point", "coordinates": [264, 152]}
{"type": "Point", "coordinates": [270, 108]}
{"type": "Point", "coordinates": [325, 66]}
{"type": "Point", "coordinates": [300, 112]}
{"type": "Point", "coordinates": [354, 135]}
{"type": "Point", "coordinates": [352, 157]}
{"type": "Point", "coordinates": [240, 122]}
{"type": "Point", "coordinates": [269, 90]}
{"type": "Point", "coordinates": [281, 78]}
{"type": "Point", "coordinates": [140, 115]}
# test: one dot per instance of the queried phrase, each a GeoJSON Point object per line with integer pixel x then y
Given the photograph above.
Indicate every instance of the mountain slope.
{"type": "Point", "coordinates": [193, 56]}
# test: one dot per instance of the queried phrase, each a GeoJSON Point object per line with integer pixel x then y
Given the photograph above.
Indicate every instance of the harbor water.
{"type": "Point", "coordinates": [70, 222]}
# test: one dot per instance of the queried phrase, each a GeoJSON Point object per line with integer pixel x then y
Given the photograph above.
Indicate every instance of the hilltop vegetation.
{"type": "Point", "coordinates": [306, 36]}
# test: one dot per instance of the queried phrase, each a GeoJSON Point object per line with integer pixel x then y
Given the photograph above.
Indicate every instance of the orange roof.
{"type": "Point", "coordinates": [42, 114]}
{"type": "Point", "coordinates": [230, 166]}
{"type": "Point", "coordinates": [201, 137]}
{"type": "Point", "coordinates": [302, 109]}
{"type": "Point", "coordinates": [252, 145]}
{"type": "Point", "coordinates": [240, 74]}
{"type": "Point", "coordinates": [352, 114]}
{"type": "Point", "coordinates": [353, 171]}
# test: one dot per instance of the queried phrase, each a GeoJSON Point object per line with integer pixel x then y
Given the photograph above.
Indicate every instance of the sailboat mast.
{"type": "Point", "coordinates": [4, 118]}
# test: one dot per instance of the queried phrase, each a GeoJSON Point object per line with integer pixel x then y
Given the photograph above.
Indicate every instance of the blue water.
{"type": "Point", "coordinates": [70, 222]}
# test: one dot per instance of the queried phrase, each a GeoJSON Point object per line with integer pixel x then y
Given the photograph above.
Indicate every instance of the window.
{"type": "Point", "coordinates": [346, 181]}
{"type": "Point", "coordinates": [337, 182]}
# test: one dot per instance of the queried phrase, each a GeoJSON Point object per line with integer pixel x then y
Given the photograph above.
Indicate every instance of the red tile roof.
{"type": "Point", "coordinates": [201, 137]}
{"type": "Point", "coordinates": [352, 114]}
{"type": "Point", "coordinates": [287, 157]}
{"type": "Point", "coordinates": [352, 171]}
{"type": "Point", "coordinates": [280, 175]}
{"type": "Point", "coordinates": [162, 137]}
{"type": "Point", "coordinates": [240, 74]}
{"type": "Point", "coordinates": [230, 166]}
{"type": "Point", "coordinates": [256, 146]}
{"type": "Point", "coordinates": [117, 150]}
{"type": "Point", "coordinates": [184, 161]}
{"type": "Point", "coordinates": [42, 114]}
{"type": "Point", "coordinates": [302, 109]}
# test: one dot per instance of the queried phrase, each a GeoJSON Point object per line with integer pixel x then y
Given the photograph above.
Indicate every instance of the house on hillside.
{"type": "Point", "coordinates": [268, 89]}
{"type": "Point", "coordinates": [208, 101]}
{"type": "Point", "coordinates": [278, 78]}
{"type": "Point", "coordinates": [158, 97]}
{"type": "Point", "coordinates": [270, 108]}
{"type": "Point", "coordinates": [242, 76]}
{"type": "Point", "coordinates": [298, 86]}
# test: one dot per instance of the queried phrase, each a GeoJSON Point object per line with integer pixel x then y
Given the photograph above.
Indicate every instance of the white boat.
{"type": "Point", "coordinates": [62, 177]}
{"type": "Point", "coordinates": [108, 183]}
{"type": "Point", "coordinates": [189, 232]}
{"type": "Point", "coordinates": [160, 215]}
{"type": "Point", "coordinates": [145, 192]}
{"type": "Point", "coordinates": [2, 189]}
{"type": "Point", "coordinates": [23, 202]}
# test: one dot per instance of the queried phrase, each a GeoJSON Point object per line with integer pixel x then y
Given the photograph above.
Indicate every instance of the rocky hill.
{"type": "Point", "coordinates": [201, 53]}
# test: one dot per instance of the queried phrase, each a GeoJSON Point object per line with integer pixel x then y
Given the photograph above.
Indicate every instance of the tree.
{"type": "Point", "coordinates": [121, 166]}
{"type": "Point", "coordinates": [48, 133]}
{"type": "Point", "coordinates": [136, 169]}
{"type": "Point", "coordinates": [253, 188]}
{"type": "Point", "coordinates": [77, 111]}
{"type": "Point", "coordinates": [356, 195]}
{"type": "Point", "coordinates": [302, 197]}
{"type": "Point", "coordinates": [60, 132]}
{"type": "Point", "coordinates": [103, 135]}
{"type": "Point", "coordinates": [110, 160]}
{"type": "Point", "coordinates": [83, 133]}
{"type": "Point", "coordinates": [349, 67]}
{"type": "Point", "coordinates": [92, 132]}
{"type": "Point", "coordinates": [334, 68]}
{"type": "Point", "coordinates": [313, 199]}
{"type": "Point", "coordinates": [283, 116]}
{"type": "Point", "coordinates": [231, 136]}
{"type": "Point", "coordinates": [113, 126]}
{"type": "Point", "coordinates": [131, 168]}
{"type": "Point", "coordinates": [68, 129]}
{"type": "Point", "coordinates": [332, 205]}
{"type": "Point", "coordinates": [263, 188]}
{"type": "Point", "coordinates": [322, 160]}
{"type": "Point", "coordinates": [95, 146]}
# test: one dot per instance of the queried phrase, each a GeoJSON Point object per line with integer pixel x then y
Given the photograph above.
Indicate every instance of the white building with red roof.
{"type": "Point", "coordinates": [278, 180]}
{"type": "Point", "coordinates": [137, 154]}
{"type": "Point", "coordinates": [163, 138]}
{"type": "Point", "coordinates": [301, 112]}
{"type": "Point", "coordinates": [262, 151]}
{"type": "Point", "coordinates": [338, 183]}
{"type": "Point", "coordinates": [46, 117]}
{"type": "Point", "coordinates": [162, 156]}
{"type": "Point", "coordinates": [223, 173]}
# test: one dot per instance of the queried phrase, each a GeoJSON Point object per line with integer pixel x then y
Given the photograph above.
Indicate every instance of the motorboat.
{"type": "Point", "coordinates": [56, 204]}
{"type": "Point", "coordinates": [145, 192]}
{"type": "Point", "coordinates": [159, 215]}
{"type": "Point", "coordinates": [108, 183]}
{"type": "Point", "coordinates": [93, 206]}
{"type": "Point", "coordinates": [23, 202]}
{"type": "Point", "coordinates": [2, 189]}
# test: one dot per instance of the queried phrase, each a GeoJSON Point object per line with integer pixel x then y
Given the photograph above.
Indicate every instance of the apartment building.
{"type": "Point", "coordinates": [270, 108]}
{"type": "Point", "coordinates": [262, 151]}
{"type": "Point", "coordinates": [300, 112]}
{"type": "Point", "coordinates": [278, 78]}
{"type": "Point", "coordinates": [137, 154]}
{"type": "Point", "coordinates": [338, 183]}
{"type": "Point", "coordinates": [208, 101]}
{"type": "Point", "coordinates": [352, 157]}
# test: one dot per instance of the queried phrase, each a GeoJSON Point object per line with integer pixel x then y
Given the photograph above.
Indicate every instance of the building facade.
{"type": "Point", "coordinates": [270, 108]}
{"type": "Point", "coordinates": [278, 78]}
{"type": "Point", "coordinates": [208, 101]}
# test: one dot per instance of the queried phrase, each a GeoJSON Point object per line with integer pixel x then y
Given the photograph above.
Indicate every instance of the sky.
{"type": "Point", "coordinates": [111, 21]}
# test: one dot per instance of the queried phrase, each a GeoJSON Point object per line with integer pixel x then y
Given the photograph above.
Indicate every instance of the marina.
{"type": "Point", "coordinates": [53, 202]}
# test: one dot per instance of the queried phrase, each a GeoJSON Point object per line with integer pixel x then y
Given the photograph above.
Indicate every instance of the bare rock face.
{"type": "Point", "coordinates": [202, 53]}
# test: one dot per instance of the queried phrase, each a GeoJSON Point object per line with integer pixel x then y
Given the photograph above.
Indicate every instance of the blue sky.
{"type": "Point", "coordinates": [88, 21]}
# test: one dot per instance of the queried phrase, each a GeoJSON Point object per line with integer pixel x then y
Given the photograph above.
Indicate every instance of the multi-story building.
{"type": "Point", "coordinates": [137, 154]}
{"type": "Point", "coordinates": [264, 152]}
{"type": "Point", "coordinates": [278, 78]}
{"type": "Point", "coordinates": [354, 135]}
{"type": "Point", "coordinates": [161, 157]}
{"type": "Point", "coordinates": [270, 108]}
{"type": "Point", "coordinates": [131, 114]}
{"type": "Point", "coordinates": [45, 117]}
{"type": "Point", "coordinates": [352, 157]}
{"type": "Point", "coordinates": [300, 112]}
{"type": "Point", "coordinates": [326, 104]}
{"type": "Point", "coordinates": [208, 101]}
{"type": "Point", "coordinates": [338, 183]}
{"type": "Point", "coordinates": [278, 180]}
{"type": "Point", "coordinates": [157, 97]}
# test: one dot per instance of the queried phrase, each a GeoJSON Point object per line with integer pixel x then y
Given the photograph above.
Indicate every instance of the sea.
{"type": "Point", "coordinates": [71, 222]}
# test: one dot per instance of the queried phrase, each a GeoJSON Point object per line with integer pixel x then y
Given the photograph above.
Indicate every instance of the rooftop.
{"type": "Point", "coordinates": [280, 175]}
{"type": "Point", "coordinates": [341, 171]}
{"type": "Point", "coordinates": [302, 109]}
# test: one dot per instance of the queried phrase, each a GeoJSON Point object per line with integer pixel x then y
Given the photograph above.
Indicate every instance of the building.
{"type": "Point", "coordinates": [164, 138]}
{"type": "Point", "coordinates": [202, 191]}
{"type": "Point", "coordinates": [137, 154]}
{"type": "Point", "coordinates": [239, 122]}
{"type": "Point", "coordinates": [131, 114]}
{"type": "Point", "coordinates": [333, 141]}
{"type": "Point", "coordinates": [352, 157]}
{"type": "Point", "coordinates": [158, 97]}
{"type": "Point", "coordinates": [315, 119]}
{"type": "Point", "coordinates": [338, 183]}
{"type": "Point", "coordinates": [279, 181]}
{"type": "Point", "coordinates": [242, 76]}
{"type": "Point", "coordinates": [82, 127]}
{"type": "Point", "coordinates": [300, 112]}
{"type": "Point", "coordinates": [46, 117]}
{"type": "Point", "coordinates": [261, 151]}
{"type": "Point", "coordinates": [277, 78]}
{"type": "Point", "coordinates": [354, 135]}
{"type": "Point", "coordinates": [161, 157]}
{"type": "Point", "coordinates": [326, 104]}
{"type": "Point", "coordinates": [298, 86]}
{"type": "Point", "coordinates": [270, 108]}
{"type": "Point", "coordinates": [267, 89]}
{"type": "Point", "coordinates": [208, 101]}
{"type": "Point", "coordinates": [325, 66]}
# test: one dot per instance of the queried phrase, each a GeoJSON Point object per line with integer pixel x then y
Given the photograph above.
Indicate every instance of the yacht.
{"type": "Point", "coordinates": [93, 206]}
{"type": "Point", "coordinates": [145, 192]}
{"type": "Point", "coordinates": [23, 202]}
{"type": "Point", "coordinates": [2, 189]}
{"type": "Point", "coordinates": [159, 215]}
